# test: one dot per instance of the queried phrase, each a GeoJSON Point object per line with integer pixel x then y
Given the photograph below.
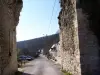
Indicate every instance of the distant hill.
{"type": "Point", "coordinates": [30, 47]}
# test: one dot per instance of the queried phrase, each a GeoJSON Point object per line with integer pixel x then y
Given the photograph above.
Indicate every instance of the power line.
{"type": "Point", "coordinates": [52, 14]}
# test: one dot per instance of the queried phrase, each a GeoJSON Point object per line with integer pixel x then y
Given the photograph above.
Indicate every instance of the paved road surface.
{"type": "Point", "coordinates": [41, 66]}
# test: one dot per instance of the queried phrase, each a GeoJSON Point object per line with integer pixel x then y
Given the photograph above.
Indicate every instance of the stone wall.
{"type": "Point", "coordinates": [69, 37]}
{"type": "Point", "coordinates": [9, 17]}
{"type": "Point", "coordinates": [88, 44]}
{"type": "Point", "coordinates": [89, 37]}
{"type": "Point", "coordinates": [79, 37]}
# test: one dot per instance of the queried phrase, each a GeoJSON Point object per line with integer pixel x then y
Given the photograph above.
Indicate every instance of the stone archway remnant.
{"type": "Point", "coordinates": [9, 18]}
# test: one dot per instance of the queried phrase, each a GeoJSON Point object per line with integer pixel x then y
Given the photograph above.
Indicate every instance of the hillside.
{"type": "Point", "coordinates": [30, 47]}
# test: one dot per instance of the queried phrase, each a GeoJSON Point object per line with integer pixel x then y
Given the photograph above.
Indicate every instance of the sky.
{"type": "Point", "coordinates": [35, 19]}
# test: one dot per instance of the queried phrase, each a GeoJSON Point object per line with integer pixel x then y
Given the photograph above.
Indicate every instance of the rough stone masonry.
{"type": "Point", "coordinates": [9, 17]}
{"type": "Point", "coordinates": [79, 36]}
{"type": "Point", "coordinates": [70, 54]}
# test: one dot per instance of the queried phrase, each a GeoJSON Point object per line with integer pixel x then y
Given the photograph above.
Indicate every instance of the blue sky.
{"type": "Point", "coordinates": [35, 19]}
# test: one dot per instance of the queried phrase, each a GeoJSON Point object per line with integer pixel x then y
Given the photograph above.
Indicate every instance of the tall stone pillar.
{"type": "Point", "coordinates": [9, 17]}
{"type": "Point", "coordinates": [69, 43]}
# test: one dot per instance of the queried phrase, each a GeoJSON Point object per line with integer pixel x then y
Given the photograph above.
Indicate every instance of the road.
{"type": "Point", "coordinates": [41, 66]}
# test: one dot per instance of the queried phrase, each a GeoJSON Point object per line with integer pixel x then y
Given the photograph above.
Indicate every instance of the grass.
{"type": "Point", "coordinates": [65, 72]}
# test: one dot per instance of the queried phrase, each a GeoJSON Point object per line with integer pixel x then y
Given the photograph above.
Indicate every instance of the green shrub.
{"type": "Point", "coordinates": [65, 72]}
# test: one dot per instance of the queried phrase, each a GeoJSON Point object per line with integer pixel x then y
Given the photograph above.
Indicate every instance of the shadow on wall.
{"type": "Point", "coordinates": [21, 73]}
{"type": "Point", "coordinates": [88, 29]}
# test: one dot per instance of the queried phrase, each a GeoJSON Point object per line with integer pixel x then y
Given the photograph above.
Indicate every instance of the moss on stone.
{"type": "Point", "coordinates": [65, 72]}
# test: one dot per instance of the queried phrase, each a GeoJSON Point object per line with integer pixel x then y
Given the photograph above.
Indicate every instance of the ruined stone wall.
{"type": "Point", "coordinates": [80, 42]}
{"type": "Point", "coordinates": [88, 29]}
{"type": "Point", "coordinates": [9, 17]}
{"type": "Point", "coordinates": [88, 44]}
{"type": "Point", "coordinates": [69, 37]}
